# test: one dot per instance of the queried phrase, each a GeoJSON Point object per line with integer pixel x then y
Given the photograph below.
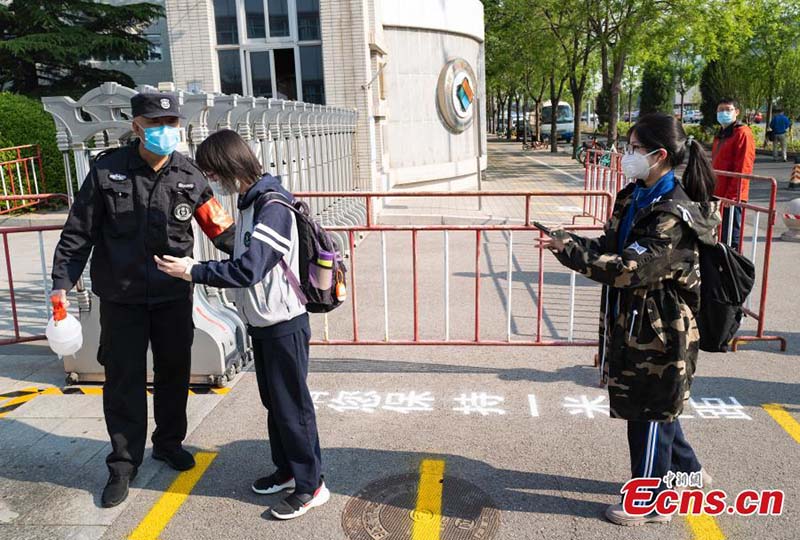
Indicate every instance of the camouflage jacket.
{"type": "Point", "coordinates": [648, 334]}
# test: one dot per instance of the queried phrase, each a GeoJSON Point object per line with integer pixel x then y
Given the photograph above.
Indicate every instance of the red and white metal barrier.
{"type": "Point", "coordinates": [21, 174]}
{"type": "Point", "coordinates": [415, 232]}
{"type": "Point", "coordinates": [603, 172]}
{"type": "Point", "coordinates": [41, 297]}
{"type": "Point", "coordinates": [768, 213]}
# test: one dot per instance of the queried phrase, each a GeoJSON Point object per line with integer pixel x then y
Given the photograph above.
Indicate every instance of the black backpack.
{"type": "Point", "coordinates": [727, 277]}
{"type": "Point", "coordinates": [312, 239]}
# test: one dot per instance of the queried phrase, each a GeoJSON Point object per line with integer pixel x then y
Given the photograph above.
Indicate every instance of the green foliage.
{"type": "Point", "coordinates": [24, 121]}
{"type": "Point", "coordinates": [700, 133]}
{"type": "Point", "coordinates": [46, 45]}
{"type": "Point", "coordinates": [712, 89]}
{"type": "Point", "coordinates": [603, 106]}
{"type": "Point", "coordinates": [658, 89]}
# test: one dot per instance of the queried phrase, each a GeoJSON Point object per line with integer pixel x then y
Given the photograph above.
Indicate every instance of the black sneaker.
{"type": "Point", "coordinates": [297, 504]}
{"type": "Point", "coordinates": [274, 483]}
{"type": "Point", "coordinates": [179, 459]}
{"type": "Point", "coordinates": [116, 489]}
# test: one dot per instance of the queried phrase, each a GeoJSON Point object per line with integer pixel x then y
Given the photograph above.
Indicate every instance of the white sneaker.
{"type": "Point", "coordinates": [616, 514]}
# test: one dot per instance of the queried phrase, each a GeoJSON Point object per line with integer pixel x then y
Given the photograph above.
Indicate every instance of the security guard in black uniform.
{"type": "Point", "coordinates": [137, 202]}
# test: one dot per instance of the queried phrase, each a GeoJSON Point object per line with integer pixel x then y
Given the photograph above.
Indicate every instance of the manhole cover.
{"type": "Point", "coordinates": [385, 510]}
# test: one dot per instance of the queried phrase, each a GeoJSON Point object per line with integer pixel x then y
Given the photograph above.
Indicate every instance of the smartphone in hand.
{"type": "Point", "coordinates": [545, 230]}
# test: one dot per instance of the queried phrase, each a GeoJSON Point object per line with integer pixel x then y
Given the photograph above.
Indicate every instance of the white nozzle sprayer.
{"type": "Point", "coordinates": [63, 332]}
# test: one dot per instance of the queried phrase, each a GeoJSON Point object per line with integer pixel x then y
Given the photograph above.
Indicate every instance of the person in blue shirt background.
{"type": "Point", "coordinates": [780, 126]}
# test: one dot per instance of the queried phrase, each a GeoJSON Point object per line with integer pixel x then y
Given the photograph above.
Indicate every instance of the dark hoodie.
{"type": "Point", "coordinates": [648, 333]}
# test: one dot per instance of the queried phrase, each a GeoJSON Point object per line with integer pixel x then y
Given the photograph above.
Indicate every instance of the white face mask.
{"type": "Point", "coordinates": [636, 166]}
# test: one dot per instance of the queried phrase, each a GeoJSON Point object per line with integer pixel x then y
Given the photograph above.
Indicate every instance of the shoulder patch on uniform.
{"type": "Point", "coordinates": [637, 248]}
{"type": "Point", "coordinates": [183, 212]}
{"type": "Point", "coordinates": [117, 177]}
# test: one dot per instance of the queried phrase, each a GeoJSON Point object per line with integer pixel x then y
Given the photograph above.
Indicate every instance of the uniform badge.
{"type": "Point", "coordinates": [247, 238]}
{"type": "Point", "coordinates": [116, 177]}
{"type": "Point", "coordinates": [183, 212]}
{"type": "Point", "coordinates": [165, 104]}
{"type": "Point", "coordinates": [181, 185]}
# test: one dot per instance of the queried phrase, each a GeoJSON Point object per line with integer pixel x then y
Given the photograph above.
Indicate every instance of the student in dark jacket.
{"type": "Point", "coordinates": [277, 319]}
{"type": "Point", "coordinates": [648, 262]}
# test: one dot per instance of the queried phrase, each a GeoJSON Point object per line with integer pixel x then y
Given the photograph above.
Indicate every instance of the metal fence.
{"type": "Point", "coordinates": [21, 173]}
{"type": "Point", "coordinates": [419, 285]}
{"type": "Point", "coordinates": [310, 146]}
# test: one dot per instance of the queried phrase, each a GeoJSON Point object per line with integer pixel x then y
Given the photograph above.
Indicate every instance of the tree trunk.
{"type": "Point", "coordinates": [508, 119]}
{"type": "Point", "coordinates": [555, 97]}
{"type": "Point", "coordinates": [577, 111]}
{"type": "Point", "coordinates": [630, 104]}
{"type": "Point", "coordinates": [501, 105]}
{"type": "Point", "coordinates": [683, 93]}
{"type": "Point", "coordinates": [616, 88]}
{"type": "Point", "coordinates": [525, 120]}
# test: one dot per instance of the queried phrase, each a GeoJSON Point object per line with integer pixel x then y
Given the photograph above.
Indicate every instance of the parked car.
{"type": "Point", "coordinates": [632, 117]}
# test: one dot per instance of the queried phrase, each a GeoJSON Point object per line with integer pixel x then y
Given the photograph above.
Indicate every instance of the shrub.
{"type": "Point", "coordinates": [24, 121]}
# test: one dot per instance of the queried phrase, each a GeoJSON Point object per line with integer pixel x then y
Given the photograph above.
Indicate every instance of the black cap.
{"type": "Point", "coordinates": [155, 105]}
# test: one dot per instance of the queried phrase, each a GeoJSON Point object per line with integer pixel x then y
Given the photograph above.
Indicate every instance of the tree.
{"type": "Point", "coordinates": [570, 26]}
{"type": "Point", "coordinates": [658, 88]}
{"type": "Point", "coordinates": [687, 68]}
{"type": "Point", "coordinates": [775, 33]}
{"type": "Point", "coordinates": [46, 46]}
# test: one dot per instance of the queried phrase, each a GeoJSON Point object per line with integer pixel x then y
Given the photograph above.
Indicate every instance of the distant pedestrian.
{"type": "Point", "coordinates": [734, 150]}
{"type": "Point", "coordinates": [780, 126]}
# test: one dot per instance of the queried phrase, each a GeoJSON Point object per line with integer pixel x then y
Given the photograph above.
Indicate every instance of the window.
{"type": "Point", "coordinates": [230, 71]}
{"type": "Point", "coordinates": [254, 12]}
{"type": "Point", "coordinates": [156, 53]}
{"type": "Point", "coordinates": [225, 18]}
{"type": "Point", "coordinates": [270, 48]}
{"type": "Point", "coordinates": [260, 74]}
{"type": "Point", "coordinates": [278, 18]}
{"type": "Point", "coordinates": [285, 74]}
{"type": "Point", "coordinates": [312, 76]}
{"type": "Point", "coordinates": [308, 20]}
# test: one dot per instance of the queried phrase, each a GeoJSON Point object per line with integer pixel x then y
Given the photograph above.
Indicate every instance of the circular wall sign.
{"type": "Point", "coordinates": [455, 95]}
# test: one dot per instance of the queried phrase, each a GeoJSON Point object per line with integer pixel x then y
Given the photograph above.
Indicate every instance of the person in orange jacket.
{"type": "Point", "coordinates": [734, 150]}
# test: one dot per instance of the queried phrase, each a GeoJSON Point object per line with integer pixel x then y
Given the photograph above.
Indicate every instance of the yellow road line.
{"type": "Point", "coordinates": [784, 419]}
{"type": "Point", "coordinates": [167, 506]}
{"type": "Point", "coordinates": [428, 513]}
{"type": "Point", "coordinates": [704, 527]}
{"type": "Point", "coordinates": [9, 405]}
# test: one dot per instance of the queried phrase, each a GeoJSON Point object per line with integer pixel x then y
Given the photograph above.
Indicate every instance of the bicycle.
{"type": "Point", "coordinates": [583, 150]}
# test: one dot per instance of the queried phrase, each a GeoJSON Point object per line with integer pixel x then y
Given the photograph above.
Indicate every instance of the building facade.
{"type": "Point", "coordinates": [414, 70]}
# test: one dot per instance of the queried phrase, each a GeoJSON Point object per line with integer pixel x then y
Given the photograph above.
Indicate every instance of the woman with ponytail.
{"type": "Point", "coordinates": [648, 261]}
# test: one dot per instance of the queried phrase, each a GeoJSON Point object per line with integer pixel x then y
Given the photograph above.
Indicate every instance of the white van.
{"type": "Point", "coordinates": [564, 120]}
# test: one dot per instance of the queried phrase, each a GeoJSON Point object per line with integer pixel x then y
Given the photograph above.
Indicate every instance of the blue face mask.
{"type": "Point", "coordinates": [162, 140]}
{"type": "Point", "coordinates": [726, 118]}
